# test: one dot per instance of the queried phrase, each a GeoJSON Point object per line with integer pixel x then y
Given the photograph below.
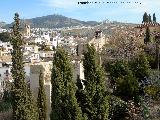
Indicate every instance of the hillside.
{"type": "Point", "coordinates": [56, 21]}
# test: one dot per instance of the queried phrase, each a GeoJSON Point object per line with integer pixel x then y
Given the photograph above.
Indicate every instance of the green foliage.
{"type": "Point", "coordinates": [64, 103]}
{"type": "Point", "coordinates": [153, 76]}
{"type": "Point", "coordinates": [6, 102]}
{"type": "Point", "coordinates": [147, 37]}
{"type": "Point", "coordinates": [149, 18]}
{"type": "Point", "coordinates": [5, 106]}
{"type": "Point", "coordinates": [118, 109]}
{"type": "Point", "coordinates": [145, 17]}
{"type": "Point", "coordinates": [151, 60]}
{"type": "Point", "coordinates": [22, 100]}
{"type": "Point", "coordinates": [125, 84]}
{"type": "Point", "coordinates": [144, 109]}
{"type": "Point", "coordinates": [154, 18]}
{"type": "Point", "coordinates": [5, 37]}
{"type": "Point", "coordinates": [153, 91]}
{"type": "Point", "coordinates": [127, 88]}
{"type": "Point", "coordinates": [41, 100]}
{"type": "Point", "coordinates": [116, 69]}
{"type": "Point", "coordinates": [95, 104]}
{"type": "Point", "coordinates": [140, 66]}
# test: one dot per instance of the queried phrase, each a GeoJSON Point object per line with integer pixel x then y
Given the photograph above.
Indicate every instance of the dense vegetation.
{"type": "Point", "coordinates": [64, 103]}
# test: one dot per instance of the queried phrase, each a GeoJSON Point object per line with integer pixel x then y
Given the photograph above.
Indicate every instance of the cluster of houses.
{"type": "Point", "coordinates": [34, 55]}
{"type": "Point", "coordinates": [39, 50]}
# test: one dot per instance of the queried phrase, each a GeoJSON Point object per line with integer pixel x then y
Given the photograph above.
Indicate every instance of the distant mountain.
{"type": "Point", "coordinates": [56, 21]}
{"type": "Point", "coordinates": [2, 24]}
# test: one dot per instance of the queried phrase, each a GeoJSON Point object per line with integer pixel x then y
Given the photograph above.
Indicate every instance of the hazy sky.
{"type": "Point", "coordinates": [123, 12]}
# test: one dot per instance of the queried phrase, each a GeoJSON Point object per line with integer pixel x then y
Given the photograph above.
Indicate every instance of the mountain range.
{"type": "Point", "coordinates": [55, 21]}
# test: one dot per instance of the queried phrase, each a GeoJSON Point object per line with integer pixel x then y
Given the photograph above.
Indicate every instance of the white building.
{"type": "Point", "coordinates": [5, 75]}
{"type": "Point", "coordinates": [31, 48]}
{"type": "Point", "coordinates": [38, 40]}
{"type": "Point", "coordinates": [46, 54]}
{"type": "Point", "coordinates": [34, 57]}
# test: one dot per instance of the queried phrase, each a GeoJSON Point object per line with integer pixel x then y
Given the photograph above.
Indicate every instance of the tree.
{"type": "Point", "coordinates": [145, 18]}
{"type": "Point", "coordinates": [22, 103]}
{"type": "Point", "coordinates": [118, 108]}
{"type": "Point", "coordinates": [147, 37]}
{"type": "Point", "coordinates": [127, 87]}
{"type": "Point", "coordinates": [5, 37]}
{"type": "Point", "coordinates": [149, 18]}
{"type": "Point", "coordinates": [154, 18]}
{"type": "Point", "coordinates": [41, 100]}
{"type": "Point", "coordinates": [96, 103]}
{"type": "Point", "coordinates": [64, 103]}
{"type": "Point", "coordinates": [81, 96]}
{"type": "Point", "coordinates": [140, 66]}
{"type": "Point", "coordinates": [125, 83]}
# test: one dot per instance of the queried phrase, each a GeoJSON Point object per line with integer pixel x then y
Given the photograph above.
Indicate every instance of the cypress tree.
{"type": "Point", "coordinates": [145, 18]}
{"type": "Point", "coordinates": [149, 18]}
{"type": "Point", "coordinates": [154, 18]}
{"type": "Point", "coordinates": [96, 106]}
{"type": "Point", "coordinates": [41, 100]}
{"type": "Point", "coordinates": [22, 103]}
{"type": "Point", "coordinates": [64, 103]}
{"type": "Point", "coordinates": [147, 37]}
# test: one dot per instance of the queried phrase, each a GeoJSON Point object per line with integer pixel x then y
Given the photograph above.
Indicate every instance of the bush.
{"type": "Point", "coordinates": [153, 91]}
{"type": "Point", "coordinates": [5, 106]}
{"type": "Point", "coordinates": [118, 109]}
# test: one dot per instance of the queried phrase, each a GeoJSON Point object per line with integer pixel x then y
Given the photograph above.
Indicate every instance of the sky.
{"type": "Point", "coordinates": [123, 12]}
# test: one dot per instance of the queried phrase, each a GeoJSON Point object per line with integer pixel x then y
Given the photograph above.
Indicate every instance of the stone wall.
{"type": "Point", "coordinates": [34, 83]}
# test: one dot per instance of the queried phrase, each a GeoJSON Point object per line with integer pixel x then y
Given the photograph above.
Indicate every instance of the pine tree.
{"type": "Point", "coordinates": [22, 105]}
{"type": "Point", "coordinates": [96, 104]}
{"type": "Point", "coordinates": [154, 18]}
{"type": "Point", "coordinates": [41, 100]}
{"type": "Point", "coordinates": [147, 37]}
{"type": "Point", "coordinates": [64, 103]}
